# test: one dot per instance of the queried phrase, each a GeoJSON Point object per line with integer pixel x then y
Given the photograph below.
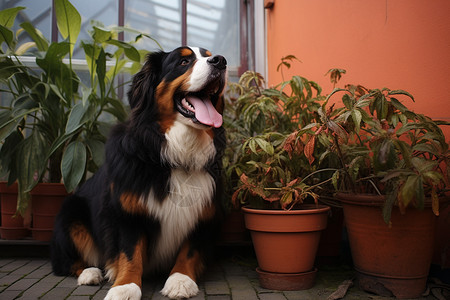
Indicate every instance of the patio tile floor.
{"type": "Point", "coordinates": [231, 276]}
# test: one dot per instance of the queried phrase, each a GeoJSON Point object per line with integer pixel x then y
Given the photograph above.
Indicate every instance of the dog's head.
{"type": "Point", "coordinates": [186, 84]}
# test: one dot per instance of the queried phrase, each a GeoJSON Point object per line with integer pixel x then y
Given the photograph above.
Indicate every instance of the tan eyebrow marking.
{"type": "Point", "coordinates": [186, 52]}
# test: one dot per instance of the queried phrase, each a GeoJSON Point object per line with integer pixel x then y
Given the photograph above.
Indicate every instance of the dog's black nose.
{"type": "Point", "coordinates": [218, 61]}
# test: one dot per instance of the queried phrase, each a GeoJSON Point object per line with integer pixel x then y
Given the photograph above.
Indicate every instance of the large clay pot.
{"type": "Point", "coordinates": [47, 199]}
{"type": "Point", "coordinates": [389, 260]}
{"type": "Point", "coordinates": [12, 227]}
{"type": "Point", "coordinates": [285, 244]}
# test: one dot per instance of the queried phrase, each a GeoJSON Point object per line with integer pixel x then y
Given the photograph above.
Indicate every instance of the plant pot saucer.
{"type": "Point", "coordinates": [42, 234]}
{"type": "Point", "coordinates": [287, 281]}
{"type": "Point", "coordinates": [13, 233]}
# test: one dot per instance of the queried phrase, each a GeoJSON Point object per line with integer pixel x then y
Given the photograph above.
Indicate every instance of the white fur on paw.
{"type": "Point", "coordinates": [130, 291]}
{"type": "Point", "coordinates": [179, 286]}
{"type": "Point", "coordinates": [90, 276]}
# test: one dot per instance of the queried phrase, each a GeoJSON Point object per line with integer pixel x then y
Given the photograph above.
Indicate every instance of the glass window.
{"type": "Point", "coordinates": [222, 26]}
{"type": "Point", "coordinates": [214, 25]}
{"type": "Point", "coordinates": [161, 19]}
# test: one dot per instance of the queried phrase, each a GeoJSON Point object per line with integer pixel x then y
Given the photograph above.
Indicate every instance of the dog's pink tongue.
{"type": "Point", "coordinates": [205, 112]}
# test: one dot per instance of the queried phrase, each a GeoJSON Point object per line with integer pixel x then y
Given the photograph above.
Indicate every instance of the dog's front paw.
{"type": "Point", "coordinates": [179, 286]}
{"type": "Point", "coordinates": [90, 276]}
{"type": "Point", "coordinates": [130, 291]}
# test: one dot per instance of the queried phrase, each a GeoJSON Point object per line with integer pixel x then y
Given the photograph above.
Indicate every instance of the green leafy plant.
{"type": "Point", "coordinates": [384, 148]}
{"type": "Point", "coordinates": [269, 161]}
{"type": "Point", "coordinates": [53, 126]}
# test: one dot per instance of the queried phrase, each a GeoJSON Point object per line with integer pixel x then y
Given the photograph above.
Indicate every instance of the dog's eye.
{"type": "Point", "coordinates": [184, 62]}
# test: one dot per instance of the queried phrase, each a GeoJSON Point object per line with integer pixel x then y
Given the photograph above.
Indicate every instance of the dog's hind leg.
{"type": "Point", "coordinates": [89, 256]}
{"type": "Point", "coordinates": [127, 270]}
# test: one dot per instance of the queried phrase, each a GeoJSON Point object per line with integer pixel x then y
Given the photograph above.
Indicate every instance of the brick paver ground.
{"type": "Point", "coordinates": [231, 277]}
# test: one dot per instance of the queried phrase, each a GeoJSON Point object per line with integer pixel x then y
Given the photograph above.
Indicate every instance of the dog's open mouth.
{"type": "Point", "coordinates": [199, 106]}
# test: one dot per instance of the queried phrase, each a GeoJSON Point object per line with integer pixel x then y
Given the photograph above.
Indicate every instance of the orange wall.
{"type": "Point", "coordinates": [398, 44]}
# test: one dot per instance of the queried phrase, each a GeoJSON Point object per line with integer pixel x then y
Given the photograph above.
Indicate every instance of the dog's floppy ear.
{"type": "Point", "coordinates": [141, 93]}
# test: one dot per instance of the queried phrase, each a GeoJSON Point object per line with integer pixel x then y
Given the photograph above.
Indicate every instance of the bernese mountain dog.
{"type": "Point", "coordinates": [153, 205]}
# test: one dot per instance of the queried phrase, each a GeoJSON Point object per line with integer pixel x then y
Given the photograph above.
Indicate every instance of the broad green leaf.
{"type": "Point", "coordinates": [8, 151]}
{"type": "Point", "coordinates": [336, 128]}
{"type": "Point", "coordinates": [73, 165]}
{"type": "Point", "coordinates": [101, 71]}
{"type": "Point", "coordinates": [36, 35]}
{"type": "Point", "coordinates": [423, 165]}
{"type": "Point", "coordinates": [8, 16]}
{"type": "Point", "coordinates": [52, 62]}
{"type": "Point", "coordinates": [91, 52]}
{"type": "Point", "coordinates": [22, 49]}
{"type": "Point", "coordinates": [265, 146]}
{"type": "Point", "coordinates": [401, 92]}
{"type": "Point", "coordinates": [286, 199]}
{"type": "Point", "coordinates": [398, 105]}
{"type": "Point", "coordinates": [334, 179]}
{"type": "Point", "coordinates": [363, 103]}
{"type": "Point", "coordinates": [424, 147]}
{"type": "Point", "coordinates": [8, 127]}
{"type": "Point", "coordinates": [85, 93]}
{"type": "Point", "coordinates": [309, 126]}
{"type": "Point", "coordinates": [31, 160]}
{"type": "Point", "coordinates": [75, 119]}
{"type": "Point", "coordinates": [57, 92]}
{"type": "Point", "coordinates": [347, 101]}
{"type": "Point", "coordinates": [68, 20]}
{"type": "Point", "coordinates": [385, 158]}
{"type": "Point", "coordinates": [97, 150]}
{"type": "Point", "coordinates": [6, 35]}
{"type": "Point", "coordinates": [433, 176]}
{"type": "Point", "coordinates": [10, 121]}
{"type": "Point", "coordinates": [130, 51]}
{"type": "Point", "coordinates": [383, 110]}
{"type": "Point", "coordinates": [58, 143]}
{"type": "Point", "coordinates": [101, 35]}
{"type": "Point", "coordinates": [252, 146]}
{"type": "Point", "coordinates": [356, 116]}
{"type": "Point", "coordinates": [420, 193]}
{"type": "Point", "coordinates": [405, 149]}
{"type": "Point", "coordinates": [117, 109]}
{"type": "Point", "coordinates": [408, 190]}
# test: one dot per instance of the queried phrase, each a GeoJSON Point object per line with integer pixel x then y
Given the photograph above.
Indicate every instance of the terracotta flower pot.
{"type": "Point", "coordinates": [389, 260]}
{"type": "Point", "coordinates": [47, 200]}
{"type": "Point", "coordinates": [286, 243]}
{"type": "Point", "coordinates": [12, 225]}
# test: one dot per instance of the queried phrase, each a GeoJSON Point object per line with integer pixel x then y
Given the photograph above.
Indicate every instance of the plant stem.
{"type": "Point", "coordinates": [341, 158]}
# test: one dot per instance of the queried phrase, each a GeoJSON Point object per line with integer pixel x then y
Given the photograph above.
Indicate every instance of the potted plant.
{"type": "Point", "coordinates": [269, 163]}
{"type": "Point", "coordinates": [54, 125]}
{"type": "Point", "coordinates": [12, 225]}
{"type": "Point", "coordinates": [390, 180]}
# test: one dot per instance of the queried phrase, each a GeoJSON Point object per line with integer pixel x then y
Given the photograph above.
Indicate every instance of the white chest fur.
{"type": "Point", "coordinates": [188, 150]}
{"type": "Point", "coordinates": [178, 214]}
{"type": "Point", "coordinates": [187, 147]}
